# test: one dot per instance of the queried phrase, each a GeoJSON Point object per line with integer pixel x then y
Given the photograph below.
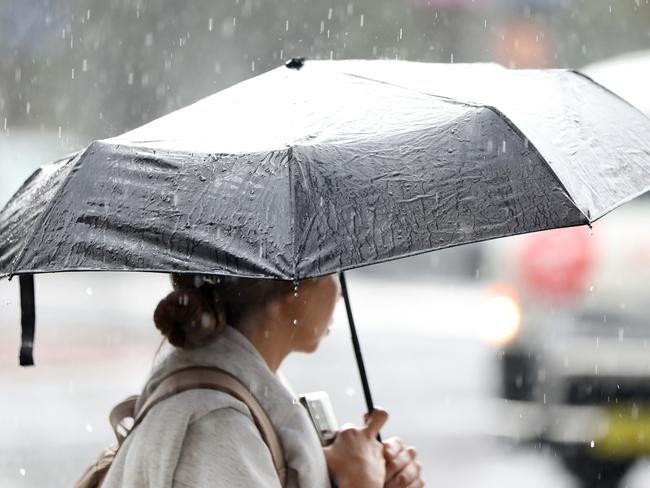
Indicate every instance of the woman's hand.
{"type": "Point", "coordinates": [402, 468]}
{"type": "Point", "coordinates": [356, 458]}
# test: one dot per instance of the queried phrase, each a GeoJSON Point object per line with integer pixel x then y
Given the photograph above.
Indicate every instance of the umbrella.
{"type": "Point", "coordinates": [318, 167]}
{"type": "Point", "coordinates": [628, 75]}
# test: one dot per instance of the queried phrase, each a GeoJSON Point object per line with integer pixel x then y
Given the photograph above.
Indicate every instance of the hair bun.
{"type": "Point", "coordinates": [189, 319]}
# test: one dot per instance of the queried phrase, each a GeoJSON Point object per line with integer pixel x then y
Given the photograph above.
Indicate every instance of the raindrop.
{"type": "Point", "coordinates": [22, 471]}
{"type": "Point", "coordinates": [451, 58]}
{"type": "Point", "coordinates": [89, 428]}
{"type": "Point", "coordinates": [503, 146]}
{"type": "Point", "coordinates": [210, 22]}
{"type": "Point", "coordinates": [329, 13]}
{"type": "Point", "coordinates": [361, 20]}
{"type": "Point", "coordinates": [286, 25]}
{"type": "Point", "coordinates": [28, 108]}
{"type": "Point", "coordinates": [130, 80]}
{"type": "Point", "coordinates": [322, 26]}
{"type": "Point", "coordinates": [84, 65]}
{"type": "Point", "coordinates": [592, 444]}
{"type": "Point", "coordinates": [591, 288]}
{"type": "Point", "coordinates": [72, 73]}
{"type": "Point", "coordinates": [295, 322]}
{"type": "Point", "coordinates": [349, 391]}
{"type": "Point", "coordinates": [401, 33]}
{"type": "Point", "coordinates": [89, 291]}
{"type": "Point", "coordinates": [253, 65]}
{"type": "Point", "coordinates": [148, 39]}
{"type": "Point", "coordinates": [59, 132]}
{"type": "Point", "coordinates": [6, 125]}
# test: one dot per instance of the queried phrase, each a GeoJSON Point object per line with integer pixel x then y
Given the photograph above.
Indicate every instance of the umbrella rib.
{"type": "Point", "coordinates": [292, 215]}
{"type": "Point", "coordinates": [499, 114]}
{"type": "Point", "coordinates": [587, 77]}
{"type": "Point", "coordinates": [518, 131]}
{"type": "Point", "coordinates": [440, 97]}
{"type": "Point", "coordinates": [36, 226]}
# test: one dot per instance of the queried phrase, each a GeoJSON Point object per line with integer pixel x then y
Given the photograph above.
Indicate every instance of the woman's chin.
{"type": "Point", "coordinates": [313, 345]}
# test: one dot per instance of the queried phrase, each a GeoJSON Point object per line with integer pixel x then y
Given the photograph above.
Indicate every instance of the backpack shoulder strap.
{"type": "Point", "coordinates": [122, 411]}
{"type": "Point", "coordinates": [213, 378]}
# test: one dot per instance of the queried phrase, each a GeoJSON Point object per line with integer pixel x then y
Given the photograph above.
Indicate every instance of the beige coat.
{"type": "Point", "coordinates": [207, 439]}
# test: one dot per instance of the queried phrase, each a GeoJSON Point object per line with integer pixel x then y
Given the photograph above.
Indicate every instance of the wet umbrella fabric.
{"type": "Point", "coordinates": [303, 172]}
{"type": "Point", "coordinates": [317, 168]}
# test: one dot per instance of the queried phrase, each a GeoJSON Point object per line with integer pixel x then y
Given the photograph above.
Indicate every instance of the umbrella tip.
{"type": "Point", "coordinates": [295, 63]}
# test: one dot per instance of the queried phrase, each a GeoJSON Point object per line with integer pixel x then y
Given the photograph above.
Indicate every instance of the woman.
{"type": "Point", "coordinates": [206, 438]}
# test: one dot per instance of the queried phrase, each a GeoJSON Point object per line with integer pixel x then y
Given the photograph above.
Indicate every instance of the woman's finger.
{"type": "Point", "coordinates": [376, 421]}
{"type": "Point", "coordinates": [407, 476]}
{"type": "Point", "coordinates": [392, 447]}
{"type": "Point", "coordinates": [419, 483]}
{"type": "Point", "coordinates": [397, 464]}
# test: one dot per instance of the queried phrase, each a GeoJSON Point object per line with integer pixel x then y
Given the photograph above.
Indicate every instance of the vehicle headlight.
{"type": "Point", "coordinates": [500, 315]}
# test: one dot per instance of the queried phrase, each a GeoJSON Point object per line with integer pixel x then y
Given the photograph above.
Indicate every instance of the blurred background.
{"type": "Point", "coordinates": [522, 361]}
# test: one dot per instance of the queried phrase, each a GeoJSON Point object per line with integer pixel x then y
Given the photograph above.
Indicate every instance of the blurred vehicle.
{"type": "Point", "coordinates": [576, 376]}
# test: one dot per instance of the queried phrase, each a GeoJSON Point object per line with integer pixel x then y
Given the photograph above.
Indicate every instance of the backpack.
{"type": "Point", "coordinates": [177, 382]}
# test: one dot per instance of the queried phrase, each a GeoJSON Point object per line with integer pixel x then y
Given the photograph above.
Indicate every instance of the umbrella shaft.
{"type": "Point", "coordinates": [357, 348]}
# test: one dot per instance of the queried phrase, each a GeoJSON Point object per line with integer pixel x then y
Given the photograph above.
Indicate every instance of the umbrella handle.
{"type": "Point", "coordinates": [27, 320]}
{"type": "Point", "coordinates": [357, 347]}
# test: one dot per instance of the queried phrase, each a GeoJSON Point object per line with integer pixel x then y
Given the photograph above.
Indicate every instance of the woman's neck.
{"type": "Point", "coordinates": [271, 340]}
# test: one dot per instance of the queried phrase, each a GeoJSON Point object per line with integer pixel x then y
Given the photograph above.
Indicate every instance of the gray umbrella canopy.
{"type": "Point", "coordinates": [332, 165]}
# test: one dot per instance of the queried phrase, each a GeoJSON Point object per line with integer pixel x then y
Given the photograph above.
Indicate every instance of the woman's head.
{"type": "Point", "coordinates": [200, 306]}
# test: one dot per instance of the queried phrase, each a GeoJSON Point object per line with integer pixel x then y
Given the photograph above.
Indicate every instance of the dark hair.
{"type": "Point", "coordinates": [200, 306]}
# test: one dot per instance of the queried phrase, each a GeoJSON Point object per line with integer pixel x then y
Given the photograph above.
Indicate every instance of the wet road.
{"type": "Point", "coordinates": [92, 351]}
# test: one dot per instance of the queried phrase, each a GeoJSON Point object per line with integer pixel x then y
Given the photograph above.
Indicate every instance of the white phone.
{"type": "Point", "coordinates": [321, 413]}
